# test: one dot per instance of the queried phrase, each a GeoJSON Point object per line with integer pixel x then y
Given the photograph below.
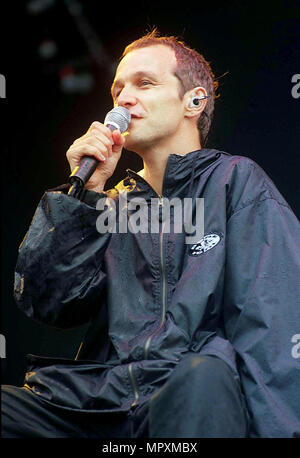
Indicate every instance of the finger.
{"type": "Point", "coordinates": [95, 125]}
{"type": "Point", "coordinates": [100, 141]}
{"type": "Point", "coordinates": [118, 140]}
{"type": "Point", "coordinates": [76, 153]}
{"type": "Point", "coordinates": [98, 127]}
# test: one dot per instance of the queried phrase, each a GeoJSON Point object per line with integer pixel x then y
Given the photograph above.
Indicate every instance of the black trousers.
{"type": "Point", "coordinates": [201, 399]}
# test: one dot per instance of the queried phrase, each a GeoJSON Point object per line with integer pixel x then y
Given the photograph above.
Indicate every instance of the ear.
{"type": "Point", "coordinates": [192, 110]}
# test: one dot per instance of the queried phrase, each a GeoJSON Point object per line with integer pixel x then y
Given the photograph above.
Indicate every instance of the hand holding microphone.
{"type": "Point", "coordinates": [94, 156]}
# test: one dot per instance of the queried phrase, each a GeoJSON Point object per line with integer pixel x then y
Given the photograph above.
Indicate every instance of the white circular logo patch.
{"type": "Point", "coordinates": [205, 244]}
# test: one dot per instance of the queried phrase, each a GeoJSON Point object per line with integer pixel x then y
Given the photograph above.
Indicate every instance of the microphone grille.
{"type": "Point", "coordinates": [120, 116]}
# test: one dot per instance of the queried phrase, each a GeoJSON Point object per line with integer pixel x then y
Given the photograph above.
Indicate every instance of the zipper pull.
{"type": "Point", "coordinates": [160, 206]}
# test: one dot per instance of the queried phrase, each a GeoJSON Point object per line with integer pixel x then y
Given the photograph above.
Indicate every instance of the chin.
{"type": "Point", "coordinates": [134, 142]}
{"type": "Point", "coordinates": [142, 140]}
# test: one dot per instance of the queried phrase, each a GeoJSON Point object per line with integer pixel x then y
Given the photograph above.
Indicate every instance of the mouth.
{"type": "Point", "coordinates": [134, 116]}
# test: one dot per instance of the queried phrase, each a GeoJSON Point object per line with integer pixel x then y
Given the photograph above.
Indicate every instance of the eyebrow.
{"type": "Point", "coordinates": [135, 75]}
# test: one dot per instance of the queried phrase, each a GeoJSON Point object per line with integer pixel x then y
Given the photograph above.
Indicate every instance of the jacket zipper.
{"type": "Point", "coordinates": [147, 345]}
{"type": "Point", "coordinates": [78, 351]}
{"type": "Point", "coordinates": [135, 390]}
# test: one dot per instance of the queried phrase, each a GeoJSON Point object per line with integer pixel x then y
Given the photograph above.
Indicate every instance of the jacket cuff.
{"type": "Point", "coordinates": [88, 197]}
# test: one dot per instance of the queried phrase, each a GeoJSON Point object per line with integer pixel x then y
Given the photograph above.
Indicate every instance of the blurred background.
{"type": "Point", "coordinates": [62, 56]}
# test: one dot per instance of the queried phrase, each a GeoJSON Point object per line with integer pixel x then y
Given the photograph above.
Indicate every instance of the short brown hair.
{"type": "Point", "coordinates": [192, 71]}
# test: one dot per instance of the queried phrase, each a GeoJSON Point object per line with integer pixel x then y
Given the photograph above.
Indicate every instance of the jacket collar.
{"type": "Point", "coordinates": [180, 171]}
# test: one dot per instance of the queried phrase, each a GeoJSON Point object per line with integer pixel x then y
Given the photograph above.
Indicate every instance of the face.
{"type": "Point", "coordinates": [145, 84]}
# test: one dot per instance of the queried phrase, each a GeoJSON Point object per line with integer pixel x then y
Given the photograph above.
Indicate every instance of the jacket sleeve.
{"type": "Point", "coordinates": [262, 313]}
{"type": "Point", "coordinates": [59, 275]}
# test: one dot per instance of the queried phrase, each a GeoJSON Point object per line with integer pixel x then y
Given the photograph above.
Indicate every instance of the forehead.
{"type": "Point", "coordinates": [158, 59]}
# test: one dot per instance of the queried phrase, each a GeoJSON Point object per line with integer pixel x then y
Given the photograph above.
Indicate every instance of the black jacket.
{"type": "Point", "coordinates": [151, 297]}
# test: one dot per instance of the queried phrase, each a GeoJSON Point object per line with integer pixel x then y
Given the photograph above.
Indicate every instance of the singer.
{"type": "Point", "coordinates": [183, 341]}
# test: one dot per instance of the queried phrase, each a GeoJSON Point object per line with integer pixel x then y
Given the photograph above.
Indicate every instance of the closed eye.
{"type": "Point", "coordinates": [144, 83]}
{"type": "Point", "coordinates": [140, 83]}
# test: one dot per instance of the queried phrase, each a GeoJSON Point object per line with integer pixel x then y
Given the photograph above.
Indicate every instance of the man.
{"type": "Point", "coordinates": [185, 340]}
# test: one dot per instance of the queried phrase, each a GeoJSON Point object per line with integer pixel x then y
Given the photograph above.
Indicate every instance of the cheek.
{"type": "Point", "coordinates": [169, 116]}
{"type": "Point", "coordinates": [167, 110]}
{"type": "Point", "coordinates": [163, 100]}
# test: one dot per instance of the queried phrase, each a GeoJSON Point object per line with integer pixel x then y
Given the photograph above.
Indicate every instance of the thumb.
{"type": "Point", "coordinates": [118, 140]}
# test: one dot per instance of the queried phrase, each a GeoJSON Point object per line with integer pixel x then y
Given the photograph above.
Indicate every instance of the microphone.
{"type": "Point", "coordinates": [117, 118]}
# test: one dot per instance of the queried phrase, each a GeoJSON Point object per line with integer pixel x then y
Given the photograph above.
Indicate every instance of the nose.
{"type": "Point", "coordinates": [126, 98]}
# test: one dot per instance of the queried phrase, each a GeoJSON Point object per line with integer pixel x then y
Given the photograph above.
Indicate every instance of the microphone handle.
{"type": "Point", "coordinates": [83, 172]}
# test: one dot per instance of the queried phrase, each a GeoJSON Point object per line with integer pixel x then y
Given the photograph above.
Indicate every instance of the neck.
{"type": "Point", "coordinates": [155, 159]}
